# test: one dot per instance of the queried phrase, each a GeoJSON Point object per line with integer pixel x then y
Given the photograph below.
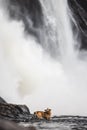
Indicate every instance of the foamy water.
{"type": "Point", "coordinates": [30, 75]}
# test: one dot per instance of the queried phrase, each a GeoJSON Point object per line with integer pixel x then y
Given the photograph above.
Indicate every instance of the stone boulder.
{"type": "Point", "coordinates": [18, 113]}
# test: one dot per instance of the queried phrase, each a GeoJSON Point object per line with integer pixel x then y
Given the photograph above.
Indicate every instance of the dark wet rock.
{"type": "Point", "coordinates": [62, 123]}
{"type": "Point", "coordinates": [79, 11]}
{"type": "Point", "coordinates": [2, 100]}
{"type": "Point", "coordinates": [18, 113]}
{"type": "Point", "coordinates": [14, 112]}
{"type": "Point", "coordinates": [29, 12]}
{"type": "Point", "coordinates": [21, 9]}
{"type": "Point", "coordinates": [8, 125]}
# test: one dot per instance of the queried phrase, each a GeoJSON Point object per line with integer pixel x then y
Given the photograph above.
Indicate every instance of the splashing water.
{"type": "Point", "coordinates": [28, 74]}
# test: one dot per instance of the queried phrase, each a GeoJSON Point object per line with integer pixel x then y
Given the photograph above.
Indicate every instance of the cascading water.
{"type": "Point", "coordinates": [29, 74]}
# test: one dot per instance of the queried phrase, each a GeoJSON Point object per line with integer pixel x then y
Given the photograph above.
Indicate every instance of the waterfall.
{"type": "Point", "coordinates": [45, 69]}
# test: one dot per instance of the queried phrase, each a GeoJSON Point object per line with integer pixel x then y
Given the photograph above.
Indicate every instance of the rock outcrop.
{"type": "Point", "coordinates": [13, 112]}
{"type": "Point", "coordinates": [2, 100]}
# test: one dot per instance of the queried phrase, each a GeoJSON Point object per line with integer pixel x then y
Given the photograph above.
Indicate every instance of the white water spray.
{"type": "Point", "coordinates": [28, 72]}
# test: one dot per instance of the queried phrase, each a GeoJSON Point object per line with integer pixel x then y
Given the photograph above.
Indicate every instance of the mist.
{"type": "Point", "coordinates": [31, 76]}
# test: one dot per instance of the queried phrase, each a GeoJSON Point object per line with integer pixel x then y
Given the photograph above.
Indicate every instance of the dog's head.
{"type": "Point", "coordinates": [47, 110]}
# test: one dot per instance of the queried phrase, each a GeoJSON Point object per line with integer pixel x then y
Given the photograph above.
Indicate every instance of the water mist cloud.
{"type": "Point", "coordinates": [31, 76]}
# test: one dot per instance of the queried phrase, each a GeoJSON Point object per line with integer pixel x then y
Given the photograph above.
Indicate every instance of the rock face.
{"type": "Point", "coordinates": [79, 11]}
{"type": "Point", "coordinates": [2, 100]}
{"type": "Point", "coordinates": [13, 112]}
{"type": "Point", "coordinates": [18, 113]}
{"type": "Point", "coordinates": [8, 125]}
{"type": "Point", "coordinates": [31, 8]}
{"type": "Point", "coordinates": [29, 12]}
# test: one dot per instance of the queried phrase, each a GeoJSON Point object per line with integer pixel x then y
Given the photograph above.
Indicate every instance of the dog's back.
{"type": "Point", "coordinates": [39, 114]}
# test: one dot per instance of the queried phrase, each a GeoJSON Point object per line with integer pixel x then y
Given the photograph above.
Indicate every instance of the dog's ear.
{"type": "Point", "coordinates": [46, 110]}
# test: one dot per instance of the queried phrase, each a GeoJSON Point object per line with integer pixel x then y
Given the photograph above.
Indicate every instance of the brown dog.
{"type": "Point", "coordinates": [43, 114]}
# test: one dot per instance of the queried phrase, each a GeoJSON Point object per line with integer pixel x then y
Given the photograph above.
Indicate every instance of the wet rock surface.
{"type": "Point", "coordinates": [17, 113]}
{"type": "Point", "coordinates": [29, 12]}
{"type": "Point", "coordinates": [79, 11]}
{"type": "Point", "coordinates": [61, 123]}
{"type": "Point", "coordinates": [13, 112]}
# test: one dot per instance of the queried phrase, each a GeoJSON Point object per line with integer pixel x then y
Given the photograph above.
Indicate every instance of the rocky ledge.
{"type": "Point", "coordinates": [13, 112]}
{"type": "Point", "coordinates": [11, 115]}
